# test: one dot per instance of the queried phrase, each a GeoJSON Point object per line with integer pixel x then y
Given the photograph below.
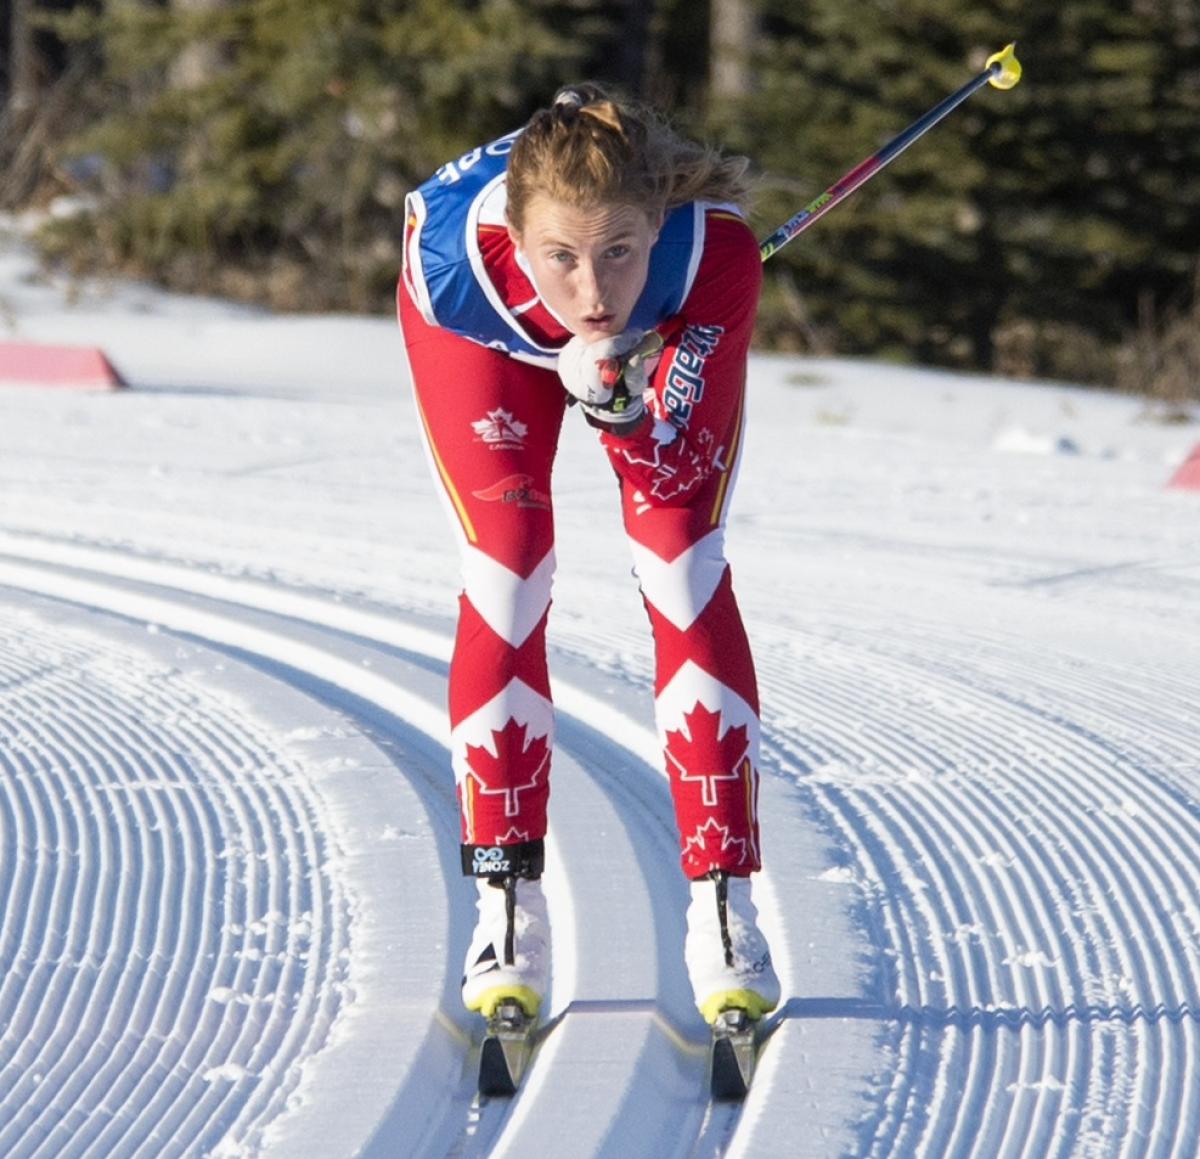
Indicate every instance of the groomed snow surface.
{"type": "Point", "coordinates": [231, 919]}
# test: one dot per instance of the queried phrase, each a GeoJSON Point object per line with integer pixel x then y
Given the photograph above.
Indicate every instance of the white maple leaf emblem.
{"type": "Point", "coordinates": [713, 838]}
{"type": "Point", "coordinates": [501, 428]}
{"type": "Point", "coordinates": [513, 836]}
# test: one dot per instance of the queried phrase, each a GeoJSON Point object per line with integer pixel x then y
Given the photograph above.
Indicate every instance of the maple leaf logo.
{"type": "Point", "coordinates": [500, 430]}
{"type": "Point", "coordinates": [709, 842]}
{"type": "Point", "coordinates": [680, 465]}
{"type": "Point", "coordinates": [517, 766]}
{"type": "Point", "coordinates": [700, 754]}
{"type": "Point", "coordinates": [513, 837]}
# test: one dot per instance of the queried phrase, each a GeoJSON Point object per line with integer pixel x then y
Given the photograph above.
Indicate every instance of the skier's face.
{"type": "Point", "coordinates": [589, 265]}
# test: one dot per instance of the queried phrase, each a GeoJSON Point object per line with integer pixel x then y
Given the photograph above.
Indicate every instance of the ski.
{"type": "Point", "coordinates": [506, 1049]}
{"type": "Point", "coordinates": [732, 1055]}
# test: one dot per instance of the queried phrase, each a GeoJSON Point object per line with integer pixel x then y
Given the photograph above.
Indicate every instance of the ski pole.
{"type": "Point", "coordinates": [1002, 72]}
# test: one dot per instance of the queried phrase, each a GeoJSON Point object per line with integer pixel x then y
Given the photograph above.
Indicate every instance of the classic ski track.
{"type": "Point", "coordinates": [1155, 875]}
{"type": "Point", "coordinates": [82, 802]}
{"type": "Point", "coordinates": [1030, 882]}
{"type": "Point", "coordinates": [655, 1054]}
{"type": "Point", "coordinates": [1130, 873]}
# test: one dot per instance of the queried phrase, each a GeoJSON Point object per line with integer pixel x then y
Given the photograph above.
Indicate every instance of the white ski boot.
{"type": "Point", "coordinates": [509, 956]}
{"type": "Point", "coordinates": [727, 955]}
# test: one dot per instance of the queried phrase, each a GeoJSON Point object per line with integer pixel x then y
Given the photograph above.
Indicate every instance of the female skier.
{"type": "Point", "coordinates": [596, 257]}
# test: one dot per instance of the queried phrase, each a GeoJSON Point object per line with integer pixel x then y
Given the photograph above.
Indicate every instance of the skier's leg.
{"type": "Point", "coordinates": [707, 711]}
{"type": "Point", "coordinates": [706, 696]}
{"type": "Point", "coordinates": [491, 426]}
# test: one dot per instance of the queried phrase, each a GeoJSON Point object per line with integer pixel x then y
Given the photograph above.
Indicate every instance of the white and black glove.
{"type": "Point", "coordinates": [608, 377]}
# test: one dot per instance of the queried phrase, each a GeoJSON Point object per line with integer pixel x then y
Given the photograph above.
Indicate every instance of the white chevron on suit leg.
{"type": "Point", "coordinates": [511, 606]}
{"type": "Point", "coordinates": [681, 588]}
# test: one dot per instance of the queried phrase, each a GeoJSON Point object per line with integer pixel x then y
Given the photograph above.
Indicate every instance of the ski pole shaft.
{"type": "Point", "coordinates": [1003, 71]}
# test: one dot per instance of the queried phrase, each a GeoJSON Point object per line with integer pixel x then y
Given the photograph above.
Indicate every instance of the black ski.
{"type": "Point", "coordinates": [506, 1049]}
{"type": "Point", "coordinates": [732, 1055]}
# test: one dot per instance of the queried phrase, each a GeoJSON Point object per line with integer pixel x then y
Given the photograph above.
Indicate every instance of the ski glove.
{"type": "Point", "coordinates": [609, 377]}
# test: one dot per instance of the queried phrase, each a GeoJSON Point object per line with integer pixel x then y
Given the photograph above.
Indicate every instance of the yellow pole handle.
{"type": "Point", "coordinates": [1009, 71]}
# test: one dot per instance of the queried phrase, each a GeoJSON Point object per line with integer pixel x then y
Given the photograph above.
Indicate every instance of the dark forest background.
{"type": "Point", "coordinates": [262, 148]}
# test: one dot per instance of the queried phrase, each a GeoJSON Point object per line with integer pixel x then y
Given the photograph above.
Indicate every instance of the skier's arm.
{"type": "Point", "coordinates": [696, 389]}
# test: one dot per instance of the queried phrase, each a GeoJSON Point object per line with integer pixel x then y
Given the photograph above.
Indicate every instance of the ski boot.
{"type": "Point", "coordinates": [506, 971]}
{"type": "Point", "coordinates": [732, 976]}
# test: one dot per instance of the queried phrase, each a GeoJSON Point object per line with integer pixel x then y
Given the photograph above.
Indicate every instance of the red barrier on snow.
{"type": "Point", "coordinates": [1188, 475]}
{"type": "Point", "coordinates": [73, 367]}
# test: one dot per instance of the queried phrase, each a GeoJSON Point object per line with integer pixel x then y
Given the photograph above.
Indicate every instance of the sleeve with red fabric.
{"type": "Point", "coordinates": [696, 389]}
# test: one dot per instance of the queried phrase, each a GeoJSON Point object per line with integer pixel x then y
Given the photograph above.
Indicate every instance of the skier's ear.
{"type": "Point", "coordinates": [514, 236]}
{"type": "Point", "coordinates": [656, 224]}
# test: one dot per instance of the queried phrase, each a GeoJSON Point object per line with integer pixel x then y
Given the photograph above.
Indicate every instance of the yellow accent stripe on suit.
{"type": "Point", "coordinates": [734, 447]}
{"type": "Point", "coordinates": [468, 796]}
{"type": "Point", "coordinates": [463, 518]}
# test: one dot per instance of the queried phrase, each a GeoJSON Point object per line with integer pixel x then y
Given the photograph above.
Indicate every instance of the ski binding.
{"type": "Point", "coordinates": [506, 1049]}
{"type": "Point", "coordinates": [732, 1055]}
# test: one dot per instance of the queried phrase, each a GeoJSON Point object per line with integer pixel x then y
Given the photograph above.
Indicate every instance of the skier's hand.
{"type": "Point", "coordinates": [608, 377]}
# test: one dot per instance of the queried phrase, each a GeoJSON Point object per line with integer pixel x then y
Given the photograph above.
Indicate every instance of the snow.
{"type": "Point", "coordinates": [232, 919]}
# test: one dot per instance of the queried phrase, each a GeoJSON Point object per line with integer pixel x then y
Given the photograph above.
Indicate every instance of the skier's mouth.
{"type": "Point", "coordinates": [600, 322]}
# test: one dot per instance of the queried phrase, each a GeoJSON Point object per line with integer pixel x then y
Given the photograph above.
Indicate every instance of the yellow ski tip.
{"type": "Point", "coordinates": [1004, 67]}
{"type": "Point", "coordinates": [486, 1003]}
{"type": "Point", "coordinates": [753, 1004]}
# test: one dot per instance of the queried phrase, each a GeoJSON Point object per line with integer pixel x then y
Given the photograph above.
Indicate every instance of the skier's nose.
{"type": "Point", "coordinates": [590, 287]}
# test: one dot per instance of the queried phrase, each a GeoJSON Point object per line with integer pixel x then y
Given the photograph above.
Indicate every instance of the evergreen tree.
{"type": "Point", "coordinates": [277, 168]}
{"type": "Point", "coordinates": [1109, 163]}
{"type": "Point", "coordinates": [36, 104]}
{"type": "Point", "coordinates": [263, 148]}
{"type": "Point", "coordinates": [1021, 232]}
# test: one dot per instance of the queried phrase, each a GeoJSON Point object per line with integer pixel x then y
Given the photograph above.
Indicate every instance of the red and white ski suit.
{"type": "Point", "coordinates": [492, 423]}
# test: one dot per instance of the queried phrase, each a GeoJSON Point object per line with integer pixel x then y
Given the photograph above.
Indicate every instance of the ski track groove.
{"type": "Point", "coordinates": [1038, 994]}
{"type": "Point", "coordinates": [54, 1058]}
{"type": "Point", "coordinates": [270, 837]}
{"type": "Point", "coordinates": [1135, 870]}
{"type": "Point", "coordinates": [103, 821]}
{"type": "Point", "coordinates": [1049, 1062]}
{"type": "Point", "coordinates": [950, 912]}
{"type": "Point", "coordinates": [1021, 909]}
{"type": "Point", "coordinates": [74, 735]}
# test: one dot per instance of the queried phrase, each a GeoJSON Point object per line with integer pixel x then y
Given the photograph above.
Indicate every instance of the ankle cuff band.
{"type": "Point", "coordinates": [526, 859]}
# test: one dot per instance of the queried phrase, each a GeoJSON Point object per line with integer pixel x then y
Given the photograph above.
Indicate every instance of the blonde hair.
{"type": "Point", "coordinates": [590, 149]}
